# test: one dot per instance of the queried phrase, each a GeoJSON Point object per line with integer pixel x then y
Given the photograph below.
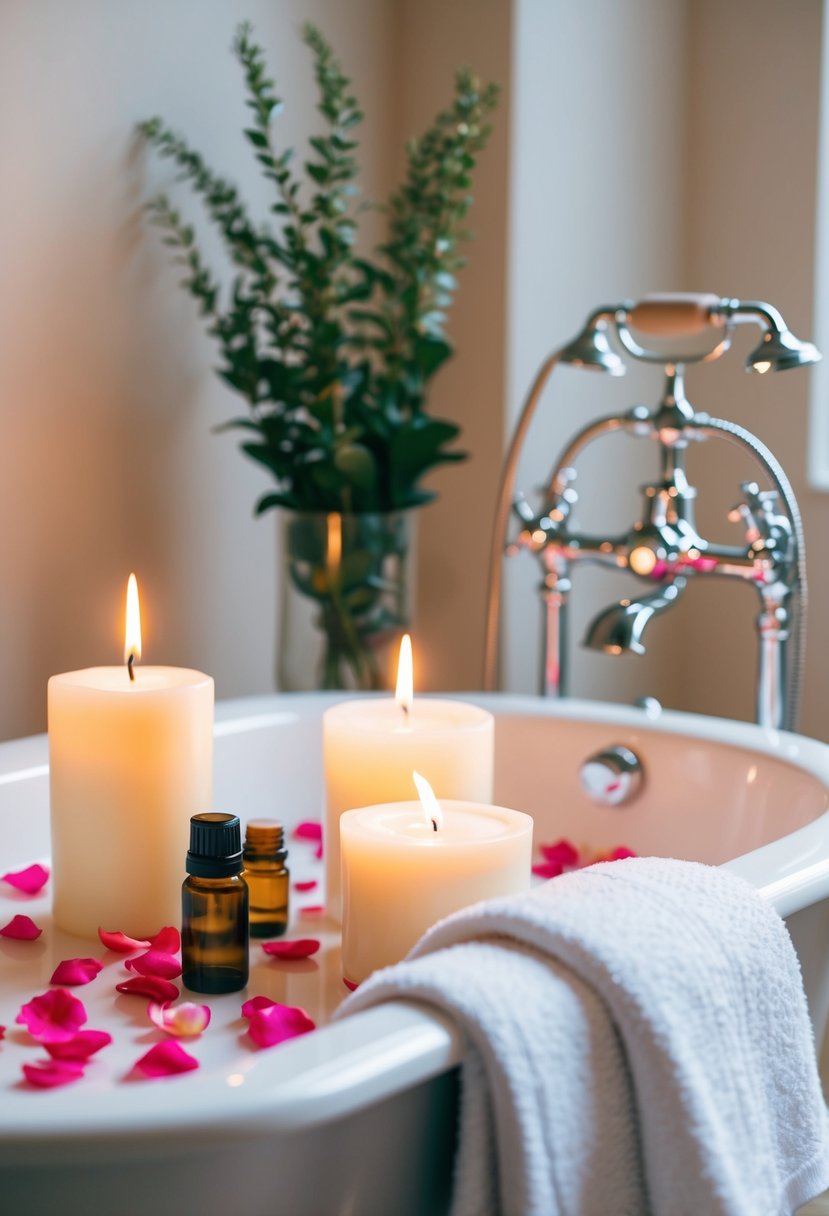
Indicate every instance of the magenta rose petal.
{"type": "Point", "coordinates": [165, 1060]}
{"type": "Point", "coordinates": [309, 829]}
{"type": "Point", "coordinates": [79, 1048]}
{"type": "Point", "coordinates": [307, 884]}
{"type": "Point", "coordinates": [620, 853]}
{"type": "Point", "coordinates": [562, 851]}
{"type": "Point", "coordinates": [313, 910]}
{"type": "Point", "coordinates": [303, 947]}
{"type": "Point", "coordinates": [120, 943]}
{"type": "Point", "coordinates": [29, 881]}
{"type": "Point", "coordinates": [152, 986]}
{"type": "Point", "coordinates": [184, 1021]}
{"type": "Point", "coordinates": [48, 1074]}
{"type": "Point", "coordinates": [54, 1017]}
{"type": "Point", "coordinates": [74, 971]}
{"type": "Point", "coordinates": [154, 962]}
{"type": "Point", "coordinates": [21, 928]}
{"type": "Point", "coordinates": [548, 869]}
{"type": "Point", "coordinates": [254, 1004]}
{"type": "Point", "coordinates": [350, 985]}
{"type": "Point", "coordinates": [277, 1024]}
{"type": "Point", "coordinates": [166, 941]}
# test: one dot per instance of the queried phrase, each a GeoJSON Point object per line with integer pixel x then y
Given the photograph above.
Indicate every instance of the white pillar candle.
{"type": "Point", "coordinates": [371, 746]}
{"type": "Point", "coordinates": [400, 875]}
{"type": "Point", "coordinates": [130, 759]}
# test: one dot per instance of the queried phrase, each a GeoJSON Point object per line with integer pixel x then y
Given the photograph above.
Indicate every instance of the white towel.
{"type": "Point", "coordinates": [637, 1042]}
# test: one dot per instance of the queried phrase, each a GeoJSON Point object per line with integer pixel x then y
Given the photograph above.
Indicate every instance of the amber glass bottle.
{"type": "Point", "coordinates": [267, 877]}
{"type": "Point", "coordinates": [214, 907]}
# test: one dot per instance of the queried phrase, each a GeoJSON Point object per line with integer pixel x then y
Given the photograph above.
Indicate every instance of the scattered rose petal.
{"type": "Point", "coordinates": [313, 910]}
{"type": "Point", "coordinates": [53, 1017]}
{"type": "Point", "coordinates": [30, 880]}
{"type": "Point", "coordinates": [277, 1023]}
{"type": "Point", "coordinates": [309, 829]}
{"type": "Point", "coordinates": [22, 928]}
{"type": "Point", "coordinates": [48, 1074]}
{"type": "Point", "coordinates": [303, 947]}
{"type": "Point", "coordinates": [548, 869]}
{"type": "Point", "coordinates": [617, 854]}
{"type": "Point", "coordinates": [307, 884]}
{"type": "Point", "coordinates": [185, 1020]}
{"type": "Point", "coordinates": [76, 971]}
{"type": "Point", "coordinates": [165, 1060]}
{"type": "Point", "coordinates": [164, 966]}
{"type": "Point", "coordinates": [2, 1032]}
{"type": "Point", "coordinates": [114, 940]}
{"type": "Point", "coordinates": [152, 986]}
{"type": "Point", "coordinates": [83, 1045]}
{"type": "Point", "coordinates": [563, 851]}
{"type": "Point", "coordinates": [318, 852]}
{"type": "Point", "coordinates": [255, 1003]}
{"type": "Point", "coordinates": [167, 940]}
{"type": "Point", "coordinates": [350, 985]}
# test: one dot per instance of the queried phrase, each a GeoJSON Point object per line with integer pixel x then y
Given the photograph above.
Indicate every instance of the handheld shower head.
{"type": "Point", "coordinates": [779, 350]}
{"type": "Point", "coordinates": [590, 349]}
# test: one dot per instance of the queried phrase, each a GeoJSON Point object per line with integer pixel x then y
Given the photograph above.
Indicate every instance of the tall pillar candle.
{"type": "Point", "coordinates": [370, 748]}
{"type": "Point", "coordinates": [130, 760]}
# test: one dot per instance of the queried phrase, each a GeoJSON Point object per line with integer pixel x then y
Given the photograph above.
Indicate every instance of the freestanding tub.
{"type": "Point", "coordinates": [358, 1118]}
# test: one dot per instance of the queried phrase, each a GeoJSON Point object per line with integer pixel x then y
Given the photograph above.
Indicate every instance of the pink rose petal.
{"type": "Point", "coordinates": [53, 1017]}
{"type": "Point", "coordinates": [74, 971]}
{"type": "Point", "coordinates": [563, 851]}
{"type": "Point", "coordinates": [277, 1023]}
{"type": "Point", "coordinates": [303, 947]}
{"type": "Point", "coordinates": [115, 940]}
{"type": "Point", "coordinates": [309, 829]}
{"type": "Point", "coordinates": [318, 851]}
{"type": "Point", "coordinates": [84, 1044]}
{"type": "Point", "coordinates": [256, 1003]}
{"type": "Point", "coordinates": [22, 928]}
{"type": "Point", "coordinates": [2, 1032]}
{"type": "Point", "coordinates": [164, 966]}
{"type": "Point", "coordinates": [152, 986]}
{"type": "Point", "coordinates": [548, 869]}
{"type": "Point", "coordinates": [313, 910]}
{"type": "Point", "coordinates": [620, 853]}
{"type": "Point", "coordinates": [307, 885]}
{"type": "Point", "coordinates": [48, 1074]}
{"type": "Point", "coordinates": [167, 940]}
{"type": "Point", "coordinates": [165, 1060]}
{"type": "Point", "coordinates": [30, 880]}
{"type": "Point", "coordinates": [350, 985]}
{"type": "Point", "coordinates": [184, 1021]}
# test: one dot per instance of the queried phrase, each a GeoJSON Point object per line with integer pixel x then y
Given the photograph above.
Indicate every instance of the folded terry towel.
{"type": "Point", "coordinates": [637, 1042]}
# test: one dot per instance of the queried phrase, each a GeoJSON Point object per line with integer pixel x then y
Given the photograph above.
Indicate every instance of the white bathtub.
{"type": "Point", "coordinates": [358, 1118]}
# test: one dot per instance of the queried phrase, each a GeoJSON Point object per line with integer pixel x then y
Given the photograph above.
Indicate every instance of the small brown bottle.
{"type": "Point", "coordinates": [214, 907]}
{"type": "Point", "coordinates": [267, 877]}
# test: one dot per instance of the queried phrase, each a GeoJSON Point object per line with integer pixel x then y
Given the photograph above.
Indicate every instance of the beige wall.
{"type": "Point", "coordinates": [642, 146]}
{"type": "Point", "coordinates": [754, 86]}
{"type": "Point", "coordinates": [107, 397]}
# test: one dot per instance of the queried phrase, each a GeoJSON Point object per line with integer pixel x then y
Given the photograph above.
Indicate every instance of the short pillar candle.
{"type": "Point", "coordinates": [401, 874]}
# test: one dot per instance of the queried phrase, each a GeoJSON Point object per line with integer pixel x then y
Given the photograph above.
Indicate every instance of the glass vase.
{"type": "Point", "coordinates": [345, 601]}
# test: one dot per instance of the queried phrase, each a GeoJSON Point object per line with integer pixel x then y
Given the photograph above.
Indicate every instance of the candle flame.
{"type": "Point", "coordinates": [334, 547]}
{"type": "Point", "coordinates": [431, 807]}
{"type": "Point", "coordinates": [132, 633]}
{"type": "Point", "coordinates": [404, 694]}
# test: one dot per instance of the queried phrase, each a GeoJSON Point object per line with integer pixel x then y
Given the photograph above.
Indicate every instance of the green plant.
{"type": "Point", "coordinates": [333, 351]}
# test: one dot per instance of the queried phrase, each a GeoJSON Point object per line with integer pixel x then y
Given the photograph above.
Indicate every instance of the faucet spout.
{"type": "Point", "coordinates": [619, 628]}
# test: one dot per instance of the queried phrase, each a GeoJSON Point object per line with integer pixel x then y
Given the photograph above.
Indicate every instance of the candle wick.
{"type": "Point", "coordinates": [131, 666]}
{"type": "Point", "coordinates": [435, 824]}
{"type": "Point", "coordinates": [405, 709]}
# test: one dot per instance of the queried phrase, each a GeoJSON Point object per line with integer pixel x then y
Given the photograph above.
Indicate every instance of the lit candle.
{"type": "Point", "coordinates": [371, 746]}
{"type": "Point", "coordinates": [131, 759]}
{"type": "Point", "coordinates": [408, 864]}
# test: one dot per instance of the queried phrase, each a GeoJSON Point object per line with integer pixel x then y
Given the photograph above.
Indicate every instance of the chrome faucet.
{"type": "Point", "coordinates": [663, 548]}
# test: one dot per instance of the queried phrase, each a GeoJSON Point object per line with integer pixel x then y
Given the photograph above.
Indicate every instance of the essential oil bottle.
{"type": "Point", "coordinates": [214, 907]}
{"type": "Point", "coordinates": [267, 877]}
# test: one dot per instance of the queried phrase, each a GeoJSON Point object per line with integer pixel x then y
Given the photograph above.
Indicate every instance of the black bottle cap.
{"type": "Point", "coordinates": [215, 845]}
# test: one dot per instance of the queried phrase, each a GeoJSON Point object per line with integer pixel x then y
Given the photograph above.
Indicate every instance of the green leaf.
{"type": "Point", "coordinates": [357, 464]}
